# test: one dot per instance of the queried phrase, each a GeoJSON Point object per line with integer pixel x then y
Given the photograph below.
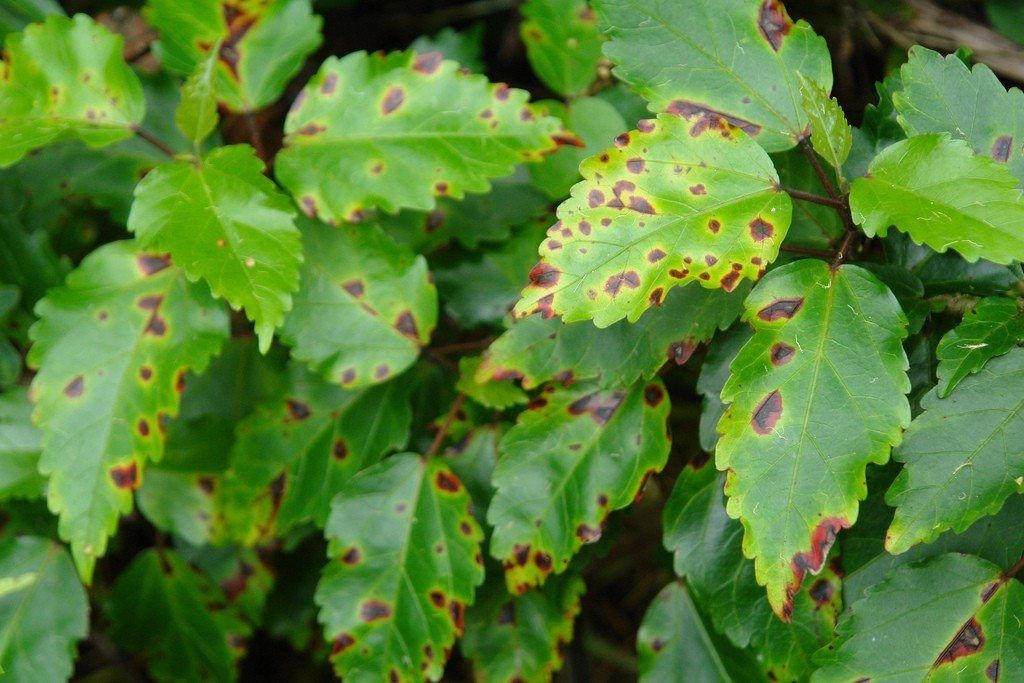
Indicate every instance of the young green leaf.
{"type": "Point", "coordinates": [487, 392]}
{"type": "Point", "coordinates": [257, 46]}
{"type": "Point", "coordinates": [563, 43]}
{"type": "Point", "coordinates": [538, 350]}
{"type": "Point", "coordinates": [19, 448]}
{"type": "Point", "coordinates": [399, 130]}
{"type": "Point", "coordinates": [806, 417]}
{"type": "Point", "coordinates": [572, 458]}
{"type": "Point", "coordinates": [175, 619]}
{"type": "Point", "coordinates": [963, 455]}
{"type": "Point", "coordinates": [223, 221]}
{"type": "Point", "coordinates": [937, 191]}
{"type": "Point", "coordinates": [942, 95]}
{"type": "Point", "coordinates": [17, 14]}
{"type": "Point", "coordinates": [960, 611]}
{"type": "Point", "coordinates": [112, 347]}
{"type": "Point", "coordinates": [405, 561]}
{"type": "Point", "coordinates": [831, 135]}
{"type": "Point", "coordinates": [196, 115]}
{"type": "Point", "coordinates": [675, 201]}
{"type": "Point", "coordinates": [365, 307]}
{"type": "Point", "coordinates": [733, 60]}
{"type": "Point", "coordinates": [65, 79]}
{"type": "Point", "coordinates": [990, 329]}
{"type": "Point", "coordinates": [519, 638]}
{"type": "Point", "coordinates": [43, 610]}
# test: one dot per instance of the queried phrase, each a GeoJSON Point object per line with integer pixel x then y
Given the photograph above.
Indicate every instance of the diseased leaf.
{"type": "Point", "coordinates": [959, 613]}
{"type": "Point", "coordinates": [674, 201]}
{"type": "Point", "coordinates": [465, 47]}
{"type": "Point", "coordinates": [943, 95]}
{"type": "Point", "coordinates": [806, 416]}
{"type": "Point", "coordinates": [519, 638]}
{"type": "Point", "coordinates": [488, 393]}
{"type": "Point", "coordinates": [19, 448]}
{"type": "Point", "coordinates": [301, 446]}
{"type": "Point", "coordinates": [112, 346]}
{"type": "Point", "coordinates": [937, 191]}
{"type": "Point", "coordinates": [405, 561]}
{"type": "Point", "coordinates": [365, 307]}
{"type": "Point", "coordinates": [964, 455]}
{"type": "Point", "coordinates": [674, 638]}
{"type": "Point", "coordinates": [538, 350]}
{"type": "Point", "coordinates": [572, 458]}
{"type": "Point", "coordinates": [43, 610]}
{"type": "Point", "coordinates": [729, 60]}
{"type": "Point", "coordinates": [170, 615]}
{"type": "Point", "coordinates": [397, 131]}
{"type": "Point", "coordinates": [990, 329]}
{"type": "Point", "coordinates": [563, 43]}
{"type": "Point", "coordinates": [65, 79]}
{"type": "Point", "coordinates": [831, 135]}
{"type": "Point", "coordinates": [223, 221]}
{"type": "Point", "coordinates": [259, 46]}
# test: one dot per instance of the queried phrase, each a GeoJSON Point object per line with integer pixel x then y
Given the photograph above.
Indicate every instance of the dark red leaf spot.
{"type": "Point", "coordinates": [145, 373]}
{"type": "Point", "coordinates": [678, 273]}
{"type": "Point", "coordinates": [657, 644]}
{"type": "Point", "coordinates": [351, 556]}
{"type": "Point", "coordinates": [822, 538]}
{"type": "Point", "coordinates": [374, 610]}
{"type": "Point", "coordinates": [629, 279]}
{"type": "Point", "coordinates": [143, 426]}
{"type": "Point", "coordinates": [622, 141]}
{"type": "Point", "coordinates": [655, 255]}
{"type": "Point", "coordinates": [698, 189]}
{"type": "Point", "coordinates": [635, 165]}
{"type": "Point", "coordinates": [656, 296]}
{"type": "Point", "coordinates": [297, 410]}
{"type": "Point", "coordinates": [781, 353]}
{"type": "Point", "coordinates": [156, 326]}
{"type": "Point", "coordinates": [447, 482]}
{"type": "Point", "coordinates": [545, 306]}
{"type": "Point", "coordinates": [653, 395]}
{"type": "Point", "coordinates": [437, 598]}
{"type": "Point", "coordinates": [706, 118]}
{"type": "Point", "coordinates": [520, 554]}
{"type": "Point", "coordinates": [821, 591]}
{"type": "Point", "coordinates": [729, 281]}
{"type": "Point", "coordinates": [406, 324]}
{"type": "Point", "coordinates": [774, 23]}
{"type": "Point", "coordinates": [588, 534]}
{"type": "Point", "coordinates": [125, 476]}
{"type": "Point", "coordinates": [542, 560]}
{"type": "Point", "coordinates": [152, 263]}
{"type": "Point", "coordinates": [992, 671]}
{"type": "Point", "coordinates": [1002, 147]}
{"type": "Point", "coordinates": [710, 259]}
{"type": "Point", "coordinates": [466, 528]}
{"type": "Point", "coordinates": [780, 309]}
{"type": "Point", "coordinates": [600, 407]}
{"type": "Point", "coordinates": [537, 403]}
{"type": "Point", "coordinates": [680, 351]}
{"type": "Point", "coordinates": [342, 643]}
{"type": "Point", "coordinates": [75, 387]}
{"type": "Point", "coordinates": [564, 377]}
{"type": "Point", "coordinates": [968, 640]}
{"type": "Point", "coordinates": [206, 484]}
{"type": "Point", "coordinates": [339, 449]}
{"type": "Point", "coordinates": [767, 413]}
{"type": "Point", "coordinates": [393, 99]}
{"type": "Point", "coordinates": [755, 260]}
{"type": "Point", "coordinates": [428, 62]}
{"type": "Point", "coordinates": [602, 500]}
{"type": "Point", "coordinates": [761, 229]}
{"type": "Point", "coordinates": [441, 187]}
{"type": "Point", "coordinates": [714, 225]}
{"type": "Point", "coordinates": [457, 611]}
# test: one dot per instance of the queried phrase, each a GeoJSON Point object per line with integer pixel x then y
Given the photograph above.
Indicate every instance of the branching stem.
{"type": "Point", "coordinates": [155, 142]}
{"type": "Point", "coordinates": [435, 447]}
{"type": "Point", "coordinates": [813, 198]}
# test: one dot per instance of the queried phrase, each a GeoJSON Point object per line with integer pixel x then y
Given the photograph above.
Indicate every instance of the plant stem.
{"type": "Point", "coordinates": [844, 247]}
{"type": "Point", "coordinates": [813, 198]}
{"type": "Point", "coordinates": [443, 431]}
{"type": "Point", "coordinates": [254, 136]}
{"type": "Point", "coordinates": [155, 142]}
{"type": "Point", "coordinates": [818, 169]}
{"type": "Point", "coordinates": [819, 253]}
{"type": "Point", "coordinates": [1009, 573]}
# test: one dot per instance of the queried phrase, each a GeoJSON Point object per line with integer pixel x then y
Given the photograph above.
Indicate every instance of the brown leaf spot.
{"type": "Point", "coordinates": [585, 227]}
{"type": "Point", "coordinates": [374, 610]}
{"type": "Point", "coordinates": [680, 351]}
{"type": "Point", "coordinates": [311, 129]}
{"type": "Point", "coordinates": [156, 326]}
{"type": "Point", "coordinates": [992, 671]}
{"type": "Point", "coordinates": [698, 189]}
{"type": "Point", "coordinates": [393, 99]}
{"type": "Point", "coordinates": [658, 644]}
{"type": "Point", "coordinates": [655, 255]}
{"type": "Point", "coordinates": [554, 245]}
{"type": "Point", "coordinates": [710, 259]}
{"type": "Point", "coordinates": [308, 205]}
{"type": "Point", "coordinates": [968, 640]}
{"type": "Point", "coordinates": [760, 229]}
{"type": "Point", "coordinates": [780, 309]}
{"type": "Point", "coordinates": [339, 449]}
{"type": "Point", "coordinates": [822, 539]}
{"type": "Point", "coordinates": [656, 296]}
{"type": "Point", "coordinates": [645, 125]}
{"type": "Point", "coordinates": [150, 303]}
{"type": "Point", "coordinates": [707, 118]}
{"type": "Point", "coordinates": [595, 198]}
{"type": "Point", "coordinates": [678, 273]}
{"type": "Point", "coordinates": [781, 353]}
{"type": "Point", "coordinates": [75, 387]}
{"type": "Point", "coordinates": [588, 534]}
{"type": "Point", "coordinates": [342, 643]}
{"type": "Point", "coordinates": [152, 263]}
{"type": "Point", "coordinates": [381, 371]}
{"type": "Point", "coordinates": [653, 395]}
{"type": "Point", "coordinates": [441, 187]}
{"type": "Point", "coordinates": [542, 560]}
{"type": "Point", "coordinates": [351, 556]}
{"type": "Point", "coordinates": [406, 324]}
{"type": "Point", "coordinates": [447, 482]}
{"type": "Point", "coordinates": [348, 376]}
{"type": "Point", "coordinates": [125, 476]}
{"type": "Point", "coordinates": [622, 141]}
{"type": "Point", "coordinates": [501, 92]}
{"type": "Point", "coordinates": [629, 279]}
{"type": "Point", "coordinates": [145, 373]}
{"type": "Point", "coordinates": [297, 410]}
{"type": "Point", "coordinates": [641, 205]}
{"type": "Point", "coordinates": [635, 165]}
{"type": "Point", "coordinates": [428, 62]}
{"type": "Point", "coordinates": [437, 598]}
{"type": "Point", "coordinates": [821, 591]}
{"type": "Point", "coordinates": [354, 287]}
{"type": "Point", "coordinates": [729, 281]}
{"type": "Point", "coordinates": [466, 528]}
{"type": "Point", "coordinates": [1002, 147]}
{"type": "Point", "coordinates": [457, 611]}
{"type": "Point", "coordinates": [143, 427]}
{"type": "Point", "coordinates": [767, 413]}
{"type": "Point", "coordinates": [330, 84]}
{"type": "Point", "coordinates": [600, 407]}
{"type": "Point", "coordinates": [774, 23]}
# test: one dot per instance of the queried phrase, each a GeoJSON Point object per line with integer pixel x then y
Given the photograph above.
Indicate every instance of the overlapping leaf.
{"type": "Point", "coordinates": [261, 44]}
{"type": "Point", "coordinates": [539, 350]}
{"type": "Point", "coordinates": [43, 610]}
{"type": "Point", "coordinates": [990, 329]}
{"type": "Point", "coordinates": [519, 638]}
{"type": "Point", "coordinates": [301, 446]}
{"type": "Point", "coordinates": [365, 306]}
{"type": "Point", "coordinates": [964, 455]}
{"type": "Point", "coordinates": [64, 79]}
{"type": "Point", "coordinates": [397, 131]}
{"type": "Point", "coordinates": [19, 448]}
{"type": "Point", "coordinates": [563, 43]}
{"type": "Point", "coordinates": [675, 201]}
{"type": "Point", "coordinates": [936, 190]}
{"type": "Point", "coordinates": [806, 416]}
{"type": "Point", "coordinates": [169, 614]}
{"type": "Point", "coordinates": [942, 95]}
{"type": "Point", "coordinates": [488, 393]}
{"type": "Point", "coordinates": [223, 221]}
{"type": "Point", "coordinates": [572, 458]}
{"type": "Point", "coordinates": [958, 611]}
{"type": "Point", "coordinates": [714, 373]}
{"type": "Point", "coordinates": [112, 346]}
{"type": "Point", "coordinates": [737, 60]}
{"type": "Point", "coordinates": [831, 135]}
{"type": "Point", "coordinates": [405, 561]}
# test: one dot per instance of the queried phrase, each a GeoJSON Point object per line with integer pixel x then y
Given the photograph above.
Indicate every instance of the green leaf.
{"type": "Point", "coordinates": [519, 638]}
{"type": "Point", "coordinates": [465, 47]}
{"type": "Point", "coordinates": [831, 135]}
{"type": "Point", "coordinates": [488, 393]}
{"type": "Point", "coordinates": [672, 202]}
{"type": "Point", "coordinates": [301, 446]}
{"type": "Point", "coordinates": [990, 329]}
{"type": "Point", "coordinates": [572, 458]}
{"type": "Point", "coordinates": [719, 60]}
{"type": "Point", "coordinates": [65, 79]}
{"type": "Point", "coordinates": [806, 416]}
{"type": "Point", "coordinates": [714, 373]}
{"type": "Point", "coordinates": [111, 347]}
{"type": "Point", "coordinates": [958, 610]}
{"type": "Point", "coordinates": [365, 307]}
{"type": "Point", "coordinates": [937, 191]}
{"type": "Point", "coordinates": [963, 455]}
{"type": "Point", "coordinates": [405, 561]}
{"type": "Point", "coordinates": [539, 350]}
{"type": "Point", "coordinates": [397, 131]}
{"type": "Point", "coordinates": [674, 638]}
{"type": "Point", "coordinates": [259, 46]}
{"type": "Point", "coordinates": [943, 95]}
{"type": "Point", "coordinates": [196, 115]}
{"type": "Point", "coordinates": [17, 14]}
{"type": "Point", "coordinates": [19, 448]}
{"type": "Point", "coordinates": [1007, 16]}
{"type": "Point", "coordinates": [563, 43]}
{"type": "Point", "coordinates": [223, 221]}
{"type": "Point", "coordinates": [163, 610]}
{"type": "Point", "coordinates": [43, 610]}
